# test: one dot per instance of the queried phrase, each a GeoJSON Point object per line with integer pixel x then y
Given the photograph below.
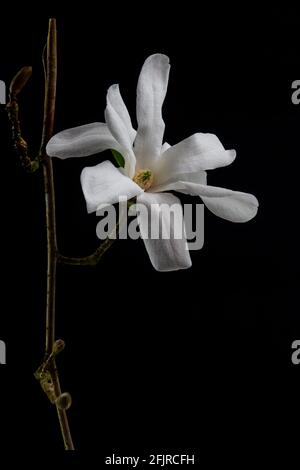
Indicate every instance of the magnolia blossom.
{"type": "Point", "coordinates": [151, 166]}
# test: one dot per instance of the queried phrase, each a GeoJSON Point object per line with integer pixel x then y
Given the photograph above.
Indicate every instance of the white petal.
{"type": "Point", "coordinates": [103, 184]}
{"type": "Point", "coordinates": [230, 205]}
{"type": "Point", "coordinates": [82, 141]}
{"type": "Point", "coordinates": [165, 147]}
{"type": "Point", "coordinates": [199, 177]}
{"type": "Point", "coordinates": [235, 206]}
{"type": "Point", "coordinates": [115, 99]}
{"type": "Point", "coordinates": [197, 152]}
{"type": "Point", "coordinates": [166, 254]}
{"type": "Point", "coordinates": [151, 92]}
{"type": "Point", "coordinates": [114, 117]}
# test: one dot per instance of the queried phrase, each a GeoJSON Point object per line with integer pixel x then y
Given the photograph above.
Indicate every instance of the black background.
{"type": "Point", "coordinates": [191, 360]}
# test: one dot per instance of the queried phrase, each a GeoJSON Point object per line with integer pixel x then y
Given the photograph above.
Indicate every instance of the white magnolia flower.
{"type": "Point", "coordinates": [151, 167]}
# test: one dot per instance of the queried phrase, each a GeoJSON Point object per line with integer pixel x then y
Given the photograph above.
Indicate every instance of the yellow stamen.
{"type": "Point", "coordinates": [144, 178]}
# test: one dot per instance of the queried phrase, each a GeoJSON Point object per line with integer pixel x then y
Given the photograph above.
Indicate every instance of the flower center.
{"type": "Point", "coordinates": [144, 178]}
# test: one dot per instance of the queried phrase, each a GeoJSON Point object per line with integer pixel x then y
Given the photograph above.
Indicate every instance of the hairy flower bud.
{"type": "Point", "coordinates": [20, 80]}
{"type": "Point", "coordinates": [58, 346]}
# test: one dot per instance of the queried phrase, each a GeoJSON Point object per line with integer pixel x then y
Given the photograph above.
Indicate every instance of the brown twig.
{"type": "Point", "coordinates": [29, 163]}
{"type": "Point", "coordinates": [47, 373]}
{"type": "Point", "coordinates": [90, 260]}
{"type": "Point", "coordinates": [48, 125]}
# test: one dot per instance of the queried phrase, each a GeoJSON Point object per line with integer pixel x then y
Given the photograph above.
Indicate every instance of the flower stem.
{"type": "Point", "coordinates": [90, 260]}
{"type": "Point", "coordinates": [94, 258]}
{"type": "Point", "coordinates": [48, 124]}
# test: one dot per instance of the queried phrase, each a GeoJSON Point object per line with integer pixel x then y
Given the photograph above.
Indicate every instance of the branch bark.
{"type": "Point", "coordinates": [48, 125]}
